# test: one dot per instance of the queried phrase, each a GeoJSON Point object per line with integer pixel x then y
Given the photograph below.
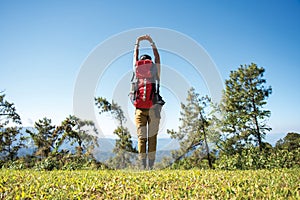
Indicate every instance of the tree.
{"type": "Point", "coordinates": [44, 136]}
{"type": "Point", "coordinates": [194, 131]}
{"type": "Point", "coordinates": [8, 112]}
{"type": "Point", "coordinates": [290, 142]}
{"type": "Point", "coordinates": [11, 139]}
{"type": "Point", "coordinates": [123, 148]}
{"type": "Point", "coordinates": [243, 117]}
{"type": "Point", "coordinates": [81, 132]}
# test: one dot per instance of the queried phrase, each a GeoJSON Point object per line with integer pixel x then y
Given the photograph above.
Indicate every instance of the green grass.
{"type": "Point", "coordinates": [160, 184]}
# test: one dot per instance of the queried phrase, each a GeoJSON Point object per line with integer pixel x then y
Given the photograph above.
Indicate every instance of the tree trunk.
{"type": "Point", "coordinates": [205, 140]}
{"type": "Point", "coordinates": [258, 135]}
{"type": "Point", "coordinates": [207, 150]}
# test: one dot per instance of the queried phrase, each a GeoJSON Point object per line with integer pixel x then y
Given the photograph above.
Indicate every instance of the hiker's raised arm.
{"type": "Point", "coordinates": [155, 53]}
{"type": "Point", "coordinates": [136, 52]}
{"type": "Point", "coordinates": [136, 49]}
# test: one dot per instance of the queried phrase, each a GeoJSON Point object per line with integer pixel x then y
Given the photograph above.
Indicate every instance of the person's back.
{"type": "Point", "coordinates": [147, 100]}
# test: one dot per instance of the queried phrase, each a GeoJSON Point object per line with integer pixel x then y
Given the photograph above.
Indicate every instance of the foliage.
{"type": "Point", "coordinates": [243, 117]}
{"type": "Point", "coordinates": [80, 132]}
{"type": "Point", "coordinates": [253, 158]}
{"type": "Point", "coordinates": [165, 184]}
{"type": "Point", "coordinates": [193, 162]}
{"type": "Point", "coordinates": [8, 112]}
{"type": "Point", "coordinates": [10, 138]}
{"type": "Point", "coordinates": [55, 161]}
{"type": "Point", "coordinates": [125, 153]}
{"type": "Point", "coordinates": [61, 161]}
{"type": "Point", "coordinates": [105, 106]}
{"type": "Point", "coordinates": [124, 150]}
{"type": "Point", "coordinates": [49, 138]}
{"type": "Point", "coordinates": [44, 136]}
{"type": "Point", "coordinates": [194, 131]}
{"type": "Point", "coordinates": [290, 142]}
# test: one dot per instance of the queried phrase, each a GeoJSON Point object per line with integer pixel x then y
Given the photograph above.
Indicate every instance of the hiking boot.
{"type": "Point", "coordinates": [144, 163]}
{"type": "Point", "coordinates": [151, 164]}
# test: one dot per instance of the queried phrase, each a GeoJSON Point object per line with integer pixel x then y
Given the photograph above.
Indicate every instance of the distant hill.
{"type": "Point", "coordinates": [106, 146]}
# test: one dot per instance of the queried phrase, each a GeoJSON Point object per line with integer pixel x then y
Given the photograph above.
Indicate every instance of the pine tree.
{"type": "Point", "coordinates": [194, 131]}
{"type": "Point", "coordinates": [11, 139]}
{"type": "Point", "coordinates": [8, 112]}
{"type": "Point", "coordinates": [243, 117]}
{"type": "Point", "coordinates": [83, 133]}
{"type": "Point", "coordinates": [123, 149]}
{"type": "Point", "coordinates": [44, 136]}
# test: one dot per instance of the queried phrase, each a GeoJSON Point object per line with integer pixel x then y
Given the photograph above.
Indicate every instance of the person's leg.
{"type": "Point", "coordinates": [152, 141]}
{"type": "Point", "coordinates": [141, 119]}
{"type": "Point", "coordinates": [153, 127]}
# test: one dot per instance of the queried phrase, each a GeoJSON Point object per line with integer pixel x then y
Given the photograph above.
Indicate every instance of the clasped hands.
{"type": "Point", "coordinates": [144, 37]}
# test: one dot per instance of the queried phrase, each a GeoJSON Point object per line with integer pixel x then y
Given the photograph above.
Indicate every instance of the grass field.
{"type": "Point", "coordinates": [160, 184]}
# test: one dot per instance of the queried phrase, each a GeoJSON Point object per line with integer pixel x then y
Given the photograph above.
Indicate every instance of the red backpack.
{"type": "Point", "coordinates": [145, 84]}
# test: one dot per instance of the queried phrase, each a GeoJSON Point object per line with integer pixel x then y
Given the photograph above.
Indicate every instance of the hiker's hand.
{"type": "Point", "coordinates": [147, 37]}
{"type": "Point", "coordinates": [143, 37]}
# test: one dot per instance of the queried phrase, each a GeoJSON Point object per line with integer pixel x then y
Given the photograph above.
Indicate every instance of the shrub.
{"type": "Point", "coordinates": [253, 158]}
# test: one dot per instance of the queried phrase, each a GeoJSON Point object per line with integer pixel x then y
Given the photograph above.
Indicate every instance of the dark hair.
{"type": "Point", "coordinates": [145, 57]}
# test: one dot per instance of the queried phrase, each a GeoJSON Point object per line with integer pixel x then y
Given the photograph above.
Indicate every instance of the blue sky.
{"type": "Point", "coordinates": [43, 45]}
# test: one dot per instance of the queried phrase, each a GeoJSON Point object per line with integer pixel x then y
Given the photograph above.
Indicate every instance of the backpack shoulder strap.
{"type": "Point", "coordinates": [133, 77]}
